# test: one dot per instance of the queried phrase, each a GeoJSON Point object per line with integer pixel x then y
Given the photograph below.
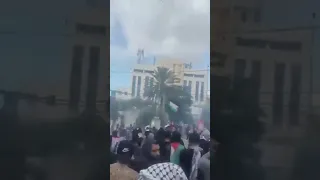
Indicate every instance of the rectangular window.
{"type": "Point", "coordinates": [239, 70]}
{"type": "Point", "coordinates": [146, 85]}
{"type": "Point", "coordinates": [197, 91]}
{"type": "Point", "coordinates": [190, 86]}
{"type": "Point", "coordinates": [254, 43]}
{"type": "Point", "coordinates": [91, 29]}
{"type": "Point", "coordinates": [199, 76]}
{"type": "Point", "coordinates": [139, 86]}
{"type": "Point", "coordinates": [202, 92]}
{"type": "Point", "coordinates": [278, 93]}
{"type": "Point", "coordinates": [256, 73]}
{"type": "Point", "coordinates": [294, 101]}
{"type": "Point", "coordinates": [76, 77]}
{"type": "Point", "coordinates": [138, 70]}
{"type": "Point", "coordinates": [285, 46]}
{"type": "Point", "coordinates": [133, 88]}
{"type": "Point", "coordinates": [150, 72]}
{"type": "Point", "coordinates": [152, 81]}
{"type": "Point", "coordinates": [188, 75]}
{"type": "Point", "coordinates": [93, 75]}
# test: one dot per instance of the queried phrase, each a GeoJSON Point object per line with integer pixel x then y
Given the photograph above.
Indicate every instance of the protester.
{"type": "Point", "coordinates": [176, 148]}
{"type": "Point", "coordinates": [204, 140]}
{"type": "Point", "coordinates": [136, 141]}
{"type": "Point", "coordinates": [189, 158]}
{"type": "Point", "coordinates": [149, 155]}
{"type": "Point", "coordinates": [204, 166]}
{"type": "Point", "coordinates": [120, 169]}
{"type": "Point", "coordinates": [114, 141]}
{"type": "Point", "coordinates": [165, 171]}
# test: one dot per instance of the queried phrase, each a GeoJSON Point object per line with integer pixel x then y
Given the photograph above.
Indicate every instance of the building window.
{"type": "Point", "coordinates": [138, 70]}
{"type": "Point", "coordinates": [295, 93]}
{"type": "Point", "coordinates": [199, 76]}
{"type": "Point", "coordinates": [197, 91]}
{"type": "Point", "coordinates": [146, 85]}
{"type": "Point", "coordinates": [256, 43]}
{"type": "Point", "coordinates": [190, 86]}
{"type": "Point", "coordinates": [150, 72]}
{"type": "Point", "coordinates": [151, 81]}
{"type": "Point", "coordinates": [239, 70]}
{"type": "Point", "coordinates": [91, 29]}
{"type": "Point", "coordinates": [256, 73]}
{"type": "Point", "coordinates": [139, 86]}
{"type": "Point", "coordinates": [76, 77]}
{"type": "Point", "coordinates": [93, 75]}
{"type": "Point", "coordinates": [133, 88]}
{"type": "Point", "coordinates": [243, 16]}
{"type": "Point", "coordinates": [202, 92]}
{"type": "Point", "coordinates": [285, 46]}
{"type": "Point", "coordinates": [188, 75]}
{"type": "Point", "coordinates": [278, 93]}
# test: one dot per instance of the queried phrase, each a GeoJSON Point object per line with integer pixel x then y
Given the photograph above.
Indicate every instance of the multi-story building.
{"type": "Point", "coordinates": [194, 81]}
{"type": "Point", "coordinates": [61, 53]}
{"type": "Point", "coordinates": [256, 39]}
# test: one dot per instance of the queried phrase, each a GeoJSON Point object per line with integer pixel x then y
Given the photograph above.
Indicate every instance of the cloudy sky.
{"type": "Point", "coordinates": [163, 28]}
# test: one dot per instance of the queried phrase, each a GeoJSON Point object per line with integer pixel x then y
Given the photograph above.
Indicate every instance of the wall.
{"type": "Point", "coordinates": [36, 51]}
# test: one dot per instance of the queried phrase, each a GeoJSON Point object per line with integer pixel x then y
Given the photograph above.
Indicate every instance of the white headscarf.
{"type": "Point", "coordinates": [163, 171]}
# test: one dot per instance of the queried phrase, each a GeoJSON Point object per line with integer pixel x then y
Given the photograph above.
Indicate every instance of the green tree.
{"type": "Point", "coordinates": [159, 91]}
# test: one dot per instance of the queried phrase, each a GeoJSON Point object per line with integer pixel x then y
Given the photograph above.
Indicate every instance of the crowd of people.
{"type": "Point", "coordinates": [150, 154]}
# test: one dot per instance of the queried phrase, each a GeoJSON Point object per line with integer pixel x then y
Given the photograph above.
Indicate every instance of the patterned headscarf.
{"type": "Point", "coordinates": [163, 171]}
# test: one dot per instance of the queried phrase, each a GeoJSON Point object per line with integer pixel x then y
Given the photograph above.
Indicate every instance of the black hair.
{"type": "Point", "coordinates": [176, 137]}
{"type": "Point", "coordinates": [194, 138]}
{"type": "Point", "coordinates": [114, 133]}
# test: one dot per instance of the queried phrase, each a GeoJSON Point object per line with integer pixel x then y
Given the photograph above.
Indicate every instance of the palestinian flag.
{"type": "Point", "coordinates": [173, 107]}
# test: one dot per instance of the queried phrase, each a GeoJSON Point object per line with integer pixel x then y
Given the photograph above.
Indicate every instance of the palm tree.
{"type": "Point", "coordinates": [159, 91]}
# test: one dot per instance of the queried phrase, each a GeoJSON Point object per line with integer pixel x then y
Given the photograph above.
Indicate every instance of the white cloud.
{"type": "Point", "coordinates": [172, 28]}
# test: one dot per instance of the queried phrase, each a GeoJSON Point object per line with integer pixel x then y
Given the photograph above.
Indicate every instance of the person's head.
{"type": "Point", "coordinates": [125, 152]}
{"type": "Point", "coordinates": [151, 149]}
{"type": "Point", "coordinates": [176, 137]}
{"type": "Point", "coordinates": [194, 139]}
{"type": "Point", "coordinates": [115, 133]}
{"type": "Point", "coordinates": [167, 136]}
{"type": "Point", "coordinates": [137, 136]}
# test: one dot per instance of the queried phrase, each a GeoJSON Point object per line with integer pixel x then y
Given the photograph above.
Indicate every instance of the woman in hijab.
{"type": "Point", "coordinates": [165, 171]}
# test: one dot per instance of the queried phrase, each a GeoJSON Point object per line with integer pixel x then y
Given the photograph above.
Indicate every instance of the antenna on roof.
{"type": "Point", "coordinates": [140, 55]}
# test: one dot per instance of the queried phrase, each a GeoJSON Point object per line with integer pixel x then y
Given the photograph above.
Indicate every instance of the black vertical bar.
{"type": "Point", "coordinates": [294, 102]}
{"type": "Point", "coordinates": [76, 78]}
{"type": "Point", "coordinates": [93, 75]}
{"type": "Point", "coordinates": [239, 70]}
{"type": "Point", "coordinates": [133, 90]}
{"type": "Point", "coordinates": [278, 93]}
